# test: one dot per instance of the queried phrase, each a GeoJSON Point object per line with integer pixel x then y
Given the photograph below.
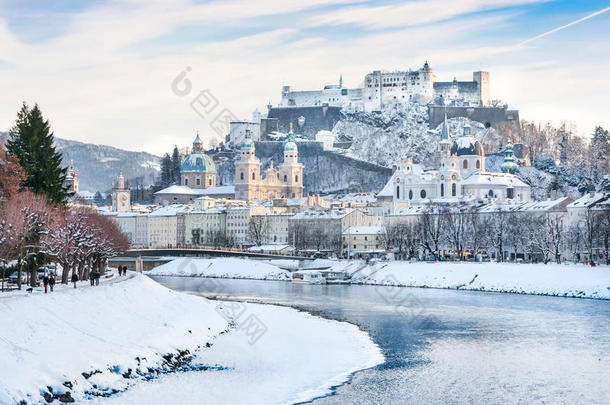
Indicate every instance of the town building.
{"type": "Point", "coordinates": [205, 227]}
{"type": "Point", "coordinates": [71, 181]}
{"type": "Point", "coordinates": [363, 241]}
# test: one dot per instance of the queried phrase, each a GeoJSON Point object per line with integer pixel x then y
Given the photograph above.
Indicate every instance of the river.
{"type": "Point", "coordinates": [446, 346]}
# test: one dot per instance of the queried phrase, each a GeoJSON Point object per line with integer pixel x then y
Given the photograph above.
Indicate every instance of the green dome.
{"type": "Point", "coordinates": [198, 162]}
{"type": "Point", "coordinates": [247, 144]}
{"type": "Point", "coordinates": [290, 147]}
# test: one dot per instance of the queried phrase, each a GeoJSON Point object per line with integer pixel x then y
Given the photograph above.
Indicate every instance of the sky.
{"type": "Point", "coordinates": [147, 75]}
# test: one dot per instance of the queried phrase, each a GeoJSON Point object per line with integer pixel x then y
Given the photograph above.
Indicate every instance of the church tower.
{"type": "Point", "coordinates": [247, 171]}
{"type": "Point", "coordinates": [449, 175]}
{"type": "Point", "coordinates": [291, 171]}
{"type": "Point", "coordinates": [121, 195]}
{"type": "Point", "coordinates": [71, 182]}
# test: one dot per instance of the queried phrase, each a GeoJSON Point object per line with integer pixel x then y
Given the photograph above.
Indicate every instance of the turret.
{"type": "Point", "coordinates": [509, 165]}
{"type": "Point", "coordinates": [197, 144]}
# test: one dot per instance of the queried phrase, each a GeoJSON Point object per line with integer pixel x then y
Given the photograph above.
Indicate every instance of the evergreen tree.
{"type": "Point", "coordinates": [31, 141]}
{"type": "Point", "coordinates": [98, 199]}
{"type": "Point", "coordinates": [166, 171]}
{"type": "Point", "coordinates": [176, 165]}
{"type": "Point", "coordinates": [599, 153]}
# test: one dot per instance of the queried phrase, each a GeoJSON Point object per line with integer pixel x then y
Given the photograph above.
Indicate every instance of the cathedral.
{"type": "Point", "coordinates": [460, 174]}
{"type": "Point", "coordinates": [285, 181]}
{"type": "Point", "coordinates": [198, 170]}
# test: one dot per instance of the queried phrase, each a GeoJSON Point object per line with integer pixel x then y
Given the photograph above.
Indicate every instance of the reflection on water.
{"type": "Point", "coordinates": [445, 346]}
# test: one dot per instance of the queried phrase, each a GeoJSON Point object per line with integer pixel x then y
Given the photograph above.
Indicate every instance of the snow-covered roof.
{"type": "Point", "coordinates": [364, 230]}
{"type": "Point", "coordinates": [176, 189]}
{"type": "Point", "coordinates": [493, 179]}
{"type": "Point", "coordinates": [168, 211]}
{"type": "Point", "coordinates": [467, 145]}
{"type": "Point", "coordinates": [218, 190]}
{"type": "Point", "coordinates": [332, 214]}
{"type": "Point", "coordinates": [388, 189]}
{"type": "Point", "coordinates": [588, 200]}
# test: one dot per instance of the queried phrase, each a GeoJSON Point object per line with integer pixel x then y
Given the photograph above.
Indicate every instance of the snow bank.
{"type": "Point", "coordinates": [570, 280]}
{"type": "Point", "coordinates": [298, 357]}
{"type": "Point", "coordinates": [48, 339]}
{"type": "Point", "coordinates": [222, 268]}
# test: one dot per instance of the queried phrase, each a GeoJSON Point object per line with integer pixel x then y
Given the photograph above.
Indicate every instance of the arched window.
{"type": "Point", "coordinates": [491, 193]}
{"type": "Point", "coordinates": [285, 179]}
{"type": "Point", "coordinates": [210, 182]}
{"type": "Point", "coordinates": [465, 164]}
{"type": "Point", "coordinates": [186, 182]}
{"type": "Point", "coordinates": [296, 179]}
{"type": "Point", "coordinates": [453, 189]}
{"type": "Point", "coordinates": [198, 182]}
{"type": "Point", "coordinates": [253, 176]}
{"type": "Point", "coordinates": [422, 194]}
{"type": "Point", "coordinates": [397, 191]}
{"type": "Point", "coordinates": [442, 190]}
{"type": "Point", "coordinates": [478, 164]}
{"type": "Point", "coordinates": [241, 176]}
{"type": "Point", "coordinates": [410, 194]}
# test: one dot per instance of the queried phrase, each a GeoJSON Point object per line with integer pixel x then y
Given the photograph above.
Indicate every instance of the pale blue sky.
{"type": "Point", "coordinates": [102, 70]}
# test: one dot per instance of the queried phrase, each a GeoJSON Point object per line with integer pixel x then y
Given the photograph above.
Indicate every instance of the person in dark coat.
{"type": "Point", "coordinates": [51, 282]}
{"type": "Point", "coordinates": [92, 277]}
{"type": "Point", "coordinates": [97, 277]}
{"type": "Point", "coordinates": [45, 282]}
{"type": "Point", "coordinates": [74, 278]}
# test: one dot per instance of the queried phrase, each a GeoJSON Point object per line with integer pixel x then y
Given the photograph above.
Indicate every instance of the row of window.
{"type": "Point", "coordinates": [296, 178]}
{"type": "Point", "coordinates": [197, 181]}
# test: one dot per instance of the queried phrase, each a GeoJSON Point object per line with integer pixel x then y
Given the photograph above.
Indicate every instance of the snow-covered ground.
{"type": "Point", "coordinates": [98, 340]}
{"type": "Point", "coordinates": [571, 280]}
{"type": "Point", "coordinates": [221, 268]}
{"type": "Point", "coordinates": [298, 357]}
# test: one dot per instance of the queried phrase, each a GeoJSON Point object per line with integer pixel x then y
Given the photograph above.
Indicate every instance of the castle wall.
{"type": "Point", "coordinates": [316, 119]}
{"type": "Point", "coordinates": [490, 116]}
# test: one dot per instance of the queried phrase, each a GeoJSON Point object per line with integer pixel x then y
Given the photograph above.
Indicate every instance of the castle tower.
{"type": "Point", "coordinates": [247, 171]}
{"type": "Point", "coordinates": [444, 147]}
{"type": "Point", "coordinates": [121, 195]}
{"type": "Point", "coordinates": [482, 79]}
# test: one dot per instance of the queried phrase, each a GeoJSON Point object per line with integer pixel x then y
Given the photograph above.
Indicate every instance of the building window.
{"type": "Point", "coordinates": [241, 175]}
{"type": "Point", "coordinates": [253, 176]}
{"type": "Point", "coordinates": [442, 190]}
{"type": "Point", "coordinates": [423, 194]}
{"type": "Point", "coordinates": [285, 179]}
{"type": "Point", "coordinates": [478, 164]}
{"type": "Point", "coordinates": [491, 193]}
{"type": "Point", "coordinates": [465, 164]}
{"type": "Point", "coordinates": [198, 182]}
{"type": "Point", "coordinates": [410, 194]}
{"type": "Point", "coordinates": [186, 182]}
{"type": "Point", "coordinates": [453, 189]}
{"type": "Point", "coordinates": [210, 182]}
{"type": "Point", "coordinates": [296, 179]}
{"type": "Point", "coordinates": [397, 191]}
{"type": "Point", "coordinates": [510, 193]}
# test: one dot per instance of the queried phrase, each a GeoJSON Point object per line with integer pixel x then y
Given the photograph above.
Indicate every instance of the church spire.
{"type": "Point", "coordinates": [445, 129]}
{"type": "Point", "coordinates": [341, 81]}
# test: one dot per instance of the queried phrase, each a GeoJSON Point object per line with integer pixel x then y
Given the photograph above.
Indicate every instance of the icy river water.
{"type": "Point", "coordinates": [446, 347]}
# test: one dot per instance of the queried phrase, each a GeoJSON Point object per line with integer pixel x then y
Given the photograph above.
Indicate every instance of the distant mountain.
{"type": "Point", "coordinates": [98, 165]}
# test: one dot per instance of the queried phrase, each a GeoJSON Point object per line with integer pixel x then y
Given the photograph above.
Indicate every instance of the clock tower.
{"type": "Point", "coordinates": [121, 195]}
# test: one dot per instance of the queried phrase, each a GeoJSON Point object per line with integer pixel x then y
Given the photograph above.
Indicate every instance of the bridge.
{"type": "Point", "coordinates": [153, 257]}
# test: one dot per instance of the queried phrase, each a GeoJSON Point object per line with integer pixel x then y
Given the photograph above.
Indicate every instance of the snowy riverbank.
{"type": "Point", "coordinates": [86, 343]}
{"type": "Point", "coordinates": [569, 280]}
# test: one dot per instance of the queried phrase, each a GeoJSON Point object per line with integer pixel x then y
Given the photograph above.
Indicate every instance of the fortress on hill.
{"type": "Point", "coordinates": [382, 88]}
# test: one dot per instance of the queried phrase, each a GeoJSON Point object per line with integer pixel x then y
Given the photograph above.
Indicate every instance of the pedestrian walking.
{"type": "Point", "coordinates": [92, 277]}
{"type": "Point", "coordinates": [97, 277]}
{"type": "Point", "coordinates": [74, 278]}
{"type": "Point", "coordinates": [45, 282]}
{"type": "Point", "coordinates": [51, 282]}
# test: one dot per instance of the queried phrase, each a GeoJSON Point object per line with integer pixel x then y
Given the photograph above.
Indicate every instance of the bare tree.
{"type": "Point", "coordinates": [556, 231]}
{"type": "Point", "coordinates": [430, 230]}
{"type": "Point", "coordinates": [258, 229]}
{"type": "Point", "coordinates": [574, 240]}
